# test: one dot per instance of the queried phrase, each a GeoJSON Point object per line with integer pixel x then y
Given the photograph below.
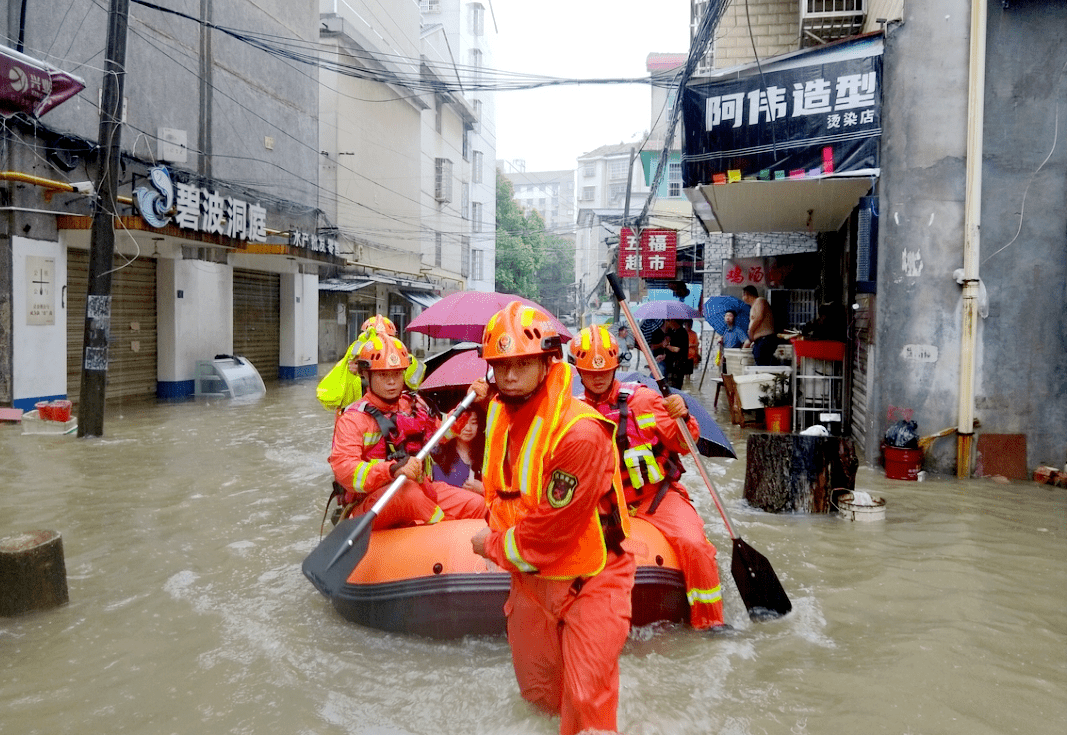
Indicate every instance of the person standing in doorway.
{"type": "Point", "coordinates": [761, 333]}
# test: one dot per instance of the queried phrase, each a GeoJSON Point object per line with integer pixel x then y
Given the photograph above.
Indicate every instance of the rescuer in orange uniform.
{"type": "Point", "coordinates": [555, 499]}
{"type": "Point", "coordinates": [649, 443]}
{"type": "Point", "coordinates": [376, 438]}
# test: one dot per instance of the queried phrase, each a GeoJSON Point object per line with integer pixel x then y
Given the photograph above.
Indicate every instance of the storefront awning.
{"type": "Point", "coordinates": [788, 205]}
{"type": "Point", "coordinates": [420, 298]}
{"type": "Point", "coordinates": [344, 284]}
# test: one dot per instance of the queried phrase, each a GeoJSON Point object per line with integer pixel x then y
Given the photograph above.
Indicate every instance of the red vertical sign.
{"type": "Point", "coordinates": [629, 255]}
{"type": "Point", "coordinates": [659, 250]}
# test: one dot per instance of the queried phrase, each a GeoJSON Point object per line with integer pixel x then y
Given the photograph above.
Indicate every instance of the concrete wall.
{"type": "Point", "coordinates": [775, 25]}
{"type": "Point", "coordinates": [37, 371]}
{"type": "Point", "coordinates": [194, 320]}
{"type": "Point", "coordinates": [1021, 361]}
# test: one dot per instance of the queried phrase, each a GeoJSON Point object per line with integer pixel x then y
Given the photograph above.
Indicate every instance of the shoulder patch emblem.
{"type": "Point", "coordinates": [561, 488]}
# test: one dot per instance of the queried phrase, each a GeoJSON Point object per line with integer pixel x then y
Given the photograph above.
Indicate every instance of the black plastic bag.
{"type": "Point", "coordinates": [903, 435]}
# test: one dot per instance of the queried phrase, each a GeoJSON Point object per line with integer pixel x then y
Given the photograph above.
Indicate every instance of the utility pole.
{"type": "Point", "coordinates": [102, 246]}
{"type": "Point", "coordinates": [612, 263]}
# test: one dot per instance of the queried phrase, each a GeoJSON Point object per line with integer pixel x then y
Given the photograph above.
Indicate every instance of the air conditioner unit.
{"type": "Point", "coordinates": [822, 21]}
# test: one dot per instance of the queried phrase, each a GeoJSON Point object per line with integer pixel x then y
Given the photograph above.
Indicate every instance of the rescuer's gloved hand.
{"type": "Point", "coordinates": [410, 468]}
{"type": "Point", "coordinates": [675, 405]}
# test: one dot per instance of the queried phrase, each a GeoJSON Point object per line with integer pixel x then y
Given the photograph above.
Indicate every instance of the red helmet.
{"type": "Point", "coordinates": [519, 330]}
{"type": "Point", "coordinates": [595, 348]}
{"type": "Point", "coordinates": [382, 352]}
{"type": "Point", "coordinates": [381, 325]}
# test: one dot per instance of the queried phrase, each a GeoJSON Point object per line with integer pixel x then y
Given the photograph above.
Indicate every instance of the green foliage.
{"type": "Point", "coordinates": [778, 393]}
{"type": "Point", "coordinates": [529, 261]}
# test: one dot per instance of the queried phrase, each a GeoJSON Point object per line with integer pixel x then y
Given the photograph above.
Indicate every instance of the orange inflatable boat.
{"type": "Point", "coordinates": [427, 581]}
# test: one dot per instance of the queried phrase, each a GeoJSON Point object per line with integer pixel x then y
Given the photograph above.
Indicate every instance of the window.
{"type": "Point", "coordinates": [588, 193]}
{"type": "Point", "coordinates": [477, 19]}
{"type": "Point", "coordinates": [589, 170]}
{"type": "Point", "coordinates": [618, 169]}
{"type": "Point", "coordinates": [443, 180]}
{"type": "Point", "coordinates": [465, 257]}
{"type": "Point", "coordinates": [464, 200]}
{"type": "Point", "coordinates": [476, 168]}
{"type": "Point", "coordinates": [674, 179]}
{"type": "Point", "coordinates": [478, 115]}
{"type": "Point", "coordinates": [616, 192]}
{"type": "Point", "coordinates": [476, 217]}
{"type": "Point", "coordinates": [476, 65]}
{"type": "Point", "coordinates": [478, 265]}
{"type": "Point", "coordinates": [438, 248]}
{"type": "Point", "coordinates": [430, 6]}
{"type": "Point", "coordinates": [439, 113]}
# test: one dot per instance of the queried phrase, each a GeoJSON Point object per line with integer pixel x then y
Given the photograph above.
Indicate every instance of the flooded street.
{"type": "Point", "coordinates": [185, 525]}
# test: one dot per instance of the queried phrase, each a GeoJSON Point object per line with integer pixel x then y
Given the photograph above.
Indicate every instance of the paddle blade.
{"type": "Point", "coordinates": [757, 583]}
{"type": "Point", "coordinates": [330, 563]}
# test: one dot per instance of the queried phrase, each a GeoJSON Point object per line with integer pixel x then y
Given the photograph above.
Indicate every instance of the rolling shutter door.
{"type": "Point", "coordinates": [861, 388]}
{"type": "Point", "coordinates": [257, 319]}
{"type": "Point", "coordinates": [131, 366]}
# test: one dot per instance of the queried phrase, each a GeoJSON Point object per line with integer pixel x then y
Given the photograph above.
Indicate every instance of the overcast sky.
{"type": "Point", "coordinates": [578, 39]}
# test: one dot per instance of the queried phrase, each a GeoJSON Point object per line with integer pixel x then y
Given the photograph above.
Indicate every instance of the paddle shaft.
{"type": "Point", "coordinates": [665, 389]}
{"type": "Point", "coordinates": [395, 485]}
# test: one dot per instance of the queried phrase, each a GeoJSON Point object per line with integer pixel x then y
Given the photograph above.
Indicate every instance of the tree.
{"type": "Point", "coordinates": [519, 239]}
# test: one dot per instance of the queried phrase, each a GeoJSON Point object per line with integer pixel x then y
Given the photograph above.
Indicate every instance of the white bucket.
{"type": "Point", "coordinates": [851, 511]}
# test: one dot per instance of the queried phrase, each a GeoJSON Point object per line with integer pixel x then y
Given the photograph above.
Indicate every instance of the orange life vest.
{"type": "Point", "coordinates": [556, 414]}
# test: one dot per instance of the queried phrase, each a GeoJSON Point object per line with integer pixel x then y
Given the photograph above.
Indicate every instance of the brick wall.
{"type": "Point", "coordinates": [718, 246]}
{"type": "Point", "coordinates": [775, 26]}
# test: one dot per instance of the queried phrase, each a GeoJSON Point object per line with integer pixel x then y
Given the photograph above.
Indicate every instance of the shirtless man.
{"type": "Point", "coordinates": [761, 333]}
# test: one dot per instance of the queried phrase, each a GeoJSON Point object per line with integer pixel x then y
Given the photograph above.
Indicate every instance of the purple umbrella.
{"type": "Point", "coordinates": [666, 309]}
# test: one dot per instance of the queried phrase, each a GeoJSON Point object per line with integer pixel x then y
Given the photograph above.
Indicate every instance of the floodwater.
{"type": "Point", "coordinates": [185, 525]}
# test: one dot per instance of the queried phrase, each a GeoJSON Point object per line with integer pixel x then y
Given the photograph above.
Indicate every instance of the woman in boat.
{"type": "Point", "coordinates": [459, 462]}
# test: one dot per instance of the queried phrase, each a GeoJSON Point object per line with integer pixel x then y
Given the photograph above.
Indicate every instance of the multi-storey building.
{"type": "Point", "coordinates": [961, 212]}
{"type": "Point", "coordinates": [218, 238]}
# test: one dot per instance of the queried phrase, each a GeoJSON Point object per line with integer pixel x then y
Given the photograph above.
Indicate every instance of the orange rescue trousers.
{"type": "Point", "coordinates": [565, 642]}
{"type": "Point", "coordinates": [682, 526]}
{"type": "Point", "coordinates": [411, 504]}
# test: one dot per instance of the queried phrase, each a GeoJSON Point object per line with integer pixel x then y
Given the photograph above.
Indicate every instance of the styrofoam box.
{"type": "Point", "coordinates": [750, 388]}
{"type": "Point", "coordinates": [32, 423]}
{"type": "Point", "coordinates": [783, 369]}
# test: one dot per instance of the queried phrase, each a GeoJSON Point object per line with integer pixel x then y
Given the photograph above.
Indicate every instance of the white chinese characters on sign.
{"type": "Point", "coordinates": [814, 97]}
{"type": "Point", "coordinates": [652, 255]}
{"type": "Point", "coordinates": [200, 209]}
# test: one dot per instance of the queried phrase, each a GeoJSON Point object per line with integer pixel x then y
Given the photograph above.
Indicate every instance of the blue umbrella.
{"type": "Point", "coordinates": [711, 442]}
{"type": "Point", "coordinates": [715, 308]}
{"type": "Point", "coordinates": [666, 309]}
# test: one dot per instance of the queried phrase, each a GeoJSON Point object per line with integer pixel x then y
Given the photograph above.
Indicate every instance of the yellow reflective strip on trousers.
{"type": "Point", "coordinates": [511, 551]}
{"type": "Point", "coordinates": [708, 597]}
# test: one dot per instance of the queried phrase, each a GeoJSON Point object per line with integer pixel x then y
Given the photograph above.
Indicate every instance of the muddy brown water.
{"type": "Point", "coordinates": [185, 525]}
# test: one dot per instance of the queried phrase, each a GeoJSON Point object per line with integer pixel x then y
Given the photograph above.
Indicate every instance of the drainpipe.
{"type": "Point", "coordinates": [972, 217]}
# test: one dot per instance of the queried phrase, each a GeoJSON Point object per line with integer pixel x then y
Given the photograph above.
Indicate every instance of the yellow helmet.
{"type": "Point", "coordinates": [595, 348]}
{"type": "Point", "coordinates": [519, 330]}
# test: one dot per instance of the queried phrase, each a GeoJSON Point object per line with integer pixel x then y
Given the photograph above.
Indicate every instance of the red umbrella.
{"type": "Point", "coordinates": [458, 371]}
{"type": "Point", "coordinates": [464, 314]}
{"type": "Point", "coordinates": [32, 86]}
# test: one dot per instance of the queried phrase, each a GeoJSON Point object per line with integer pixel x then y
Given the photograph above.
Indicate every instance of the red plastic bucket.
{"type": "Point", "coordinates": [60, 410]}
{"type": "Point", "coordinates": [903, 464]}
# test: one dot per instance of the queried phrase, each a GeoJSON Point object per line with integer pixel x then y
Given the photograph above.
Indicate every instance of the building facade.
{"type": "Point", "coordinates": [218, 235]}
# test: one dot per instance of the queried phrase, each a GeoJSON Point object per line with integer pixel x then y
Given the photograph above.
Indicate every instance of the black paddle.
{"type": "Point", "coordinates": [756, 581]}
{"type": "Point", "coordinates": [330, 563]}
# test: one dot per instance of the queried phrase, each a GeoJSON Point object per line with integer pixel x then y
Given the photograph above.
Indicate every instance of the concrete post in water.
{"type": "Point", "coordinates": [795, 473]}
{"type": "Point", "coordinates": [33, 575]}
